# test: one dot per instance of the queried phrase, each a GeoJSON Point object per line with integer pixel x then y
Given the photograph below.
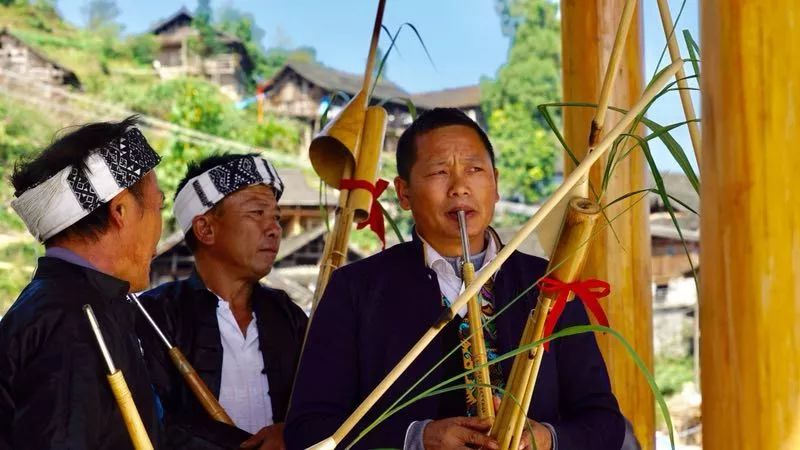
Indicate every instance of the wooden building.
{"type": "Point", "coordinates": [229, 69]}
{"type": "Point", "coordinates": [303, 90]}
{"type": "Point", "coordinates": [19, 58]}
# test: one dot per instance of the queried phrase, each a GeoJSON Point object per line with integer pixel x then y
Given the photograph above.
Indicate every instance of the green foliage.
{"type": "Point", "coordinates": [531, 76]}
{"type": "Point", "coordinates": [672, 373]}
{"type": "Point", "coordinates": [208, 42]}
{"type": "Point", "coordinates": [143, 48]}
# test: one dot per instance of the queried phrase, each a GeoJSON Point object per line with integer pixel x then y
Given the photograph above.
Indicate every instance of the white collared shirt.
{"type": "Point", "coordinates": [450, 283]}
{"type": "Point", "coordinates": [244, 389]}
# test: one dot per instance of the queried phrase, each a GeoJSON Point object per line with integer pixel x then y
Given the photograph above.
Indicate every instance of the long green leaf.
{"type": "Point", "coordinates": [412, 108]}
{"type": "Point", "coordinates": [694, 52]}
{"type": "Point", "coordinates": [570, 331]}
{"type": "Point", "coordinates": [323, 118]}
{"type": "Point", "coordinates": [654, 191]}
{"type": "Point", "coordinates": [392, 45]}
{"type": "Point", "coordinates": [392, 223]}
{"type": "Point", "coordinates": [669, 36]}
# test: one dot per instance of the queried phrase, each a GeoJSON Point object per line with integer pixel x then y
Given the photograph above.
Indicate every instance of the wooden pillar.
{"type": "Point", "coordinates": [750, 225]}
{"type": "Point", "coordinates": [622, 259]}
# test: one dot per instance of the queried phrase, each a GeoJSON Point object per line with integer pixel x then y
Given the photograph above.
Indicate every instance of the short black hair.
{"type": "Point", "coordinates": [196, 168]}
{"type": "Point", "coordinates": [428, 121]}
{"type": "Point", "coordinates": [72, 149]}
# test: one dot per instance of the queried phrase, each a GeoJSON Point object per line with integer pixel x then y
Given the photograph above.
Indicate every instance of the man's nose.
{"type": "Point", "coordinates": [458, 185]}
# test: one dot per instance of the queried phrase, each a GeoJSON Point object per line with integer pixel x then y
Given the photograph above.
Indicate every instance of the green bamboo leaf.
{"type": "Point", "coordinates": [554, 128]}
{"type": "Point", "coordinates": [671, 33]}
{"type": "Point", "coordinates": [654, 191]}
{"type": "Point", "coordinates": [392, 223]}
{"type": "Point", "coordinates": [412, 108]}
{"type": "Point", "coordinates": [694, 52]}
{"type": "Point", "coordinates": [570, 331]}
{"type": "Point", "coordinates": [662, 191]}
{"type": "Point", "coordinates": [392, 46]}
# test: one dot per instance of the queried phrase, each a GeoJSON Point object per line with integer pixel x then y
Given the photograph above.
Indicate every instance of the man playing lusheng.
{"type": "Point", "coordinates": [244, 339]}
{"type": "Point", "coordinates": [376, 309]}
{"type": "Point", "coordinates": [93, 199]}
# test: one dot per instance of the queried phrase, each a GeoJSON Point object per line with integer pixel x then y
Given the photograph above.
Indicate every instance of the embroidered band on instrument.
{"type": "Point", "coordinates": [588, 291]}
{"type": "Point", "coordinates": [74, 192]}
{"type": "Point", "coordinates": [204, 191]}
{"type": "Point", "coordinates": [375, 219]}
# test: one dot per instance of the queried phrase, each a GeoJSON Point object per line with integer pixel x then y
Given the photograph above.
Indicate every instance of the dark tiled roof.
{"type": "Point", "coordinates": [678, 186]}
{"type": "Point", "coordinates": [460, 97]}
{"type": "Point", "coordinates": [335, 80]}
{"type": "Point", "coordinates": [69, 76]}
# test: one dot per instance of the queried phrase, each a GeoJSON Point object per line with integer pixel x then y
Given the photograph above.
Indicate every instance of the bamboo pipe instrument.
{"type": "Point", "coordinates": [683, 86]}
{"type": "Point", "coordinates": [196, 384]}
{"type": "Point", "coordinates": [483, 390]}
{"type": "Point", "coordinates": [349, 147]}
{"type": "Point", "coordinates": [127, 407]}
{"type": "Point", "coordinates": [483, 276]}
{"type": "Point", "coordinates": [565, 265]}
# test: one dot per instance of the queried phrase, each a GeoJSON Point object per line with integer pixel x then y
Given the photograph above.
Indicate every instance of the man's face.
{"type": "Point", "coordinates": [247, 231]}
{"type": "Point", "coordinates": [144, 232]}
{"type": "Point", "coordinates": [452, 171]}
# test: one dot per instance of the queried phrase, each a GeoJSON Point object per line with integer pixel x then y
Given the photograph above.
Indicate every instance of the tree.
{"type": "Point", "coordinates": [100, 14]}
{"type": "Point", "coordinates": [209, 42]}
{"type": "Point", "coordinates": [531, 76]}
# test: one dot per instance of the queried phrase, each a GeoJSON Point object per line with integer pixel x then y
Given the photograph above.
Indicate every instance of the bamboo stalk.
{"type": "Point", "coordinates": [683, 85]}
{"type": "Point", "coordinates": [122, 395]}
{"type": "Point", "coordinates": [483, 390]}
{"type": "Point", "coordinates": [611, 71]}
{"type": "Point", "coordinates": [483, 276]}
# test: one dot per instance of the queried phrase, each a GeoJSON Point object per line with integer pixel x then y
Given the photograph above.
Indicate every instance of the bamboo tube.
{"type": "Point", "coordinates": [483, 276]}
{"type": "Point", "coordinates": [196, 384]}
{"type": "Point", "coordinates": [344, 135]}
{"type": "Point", "coordinates": [127, 407]}
{"type": "Point", "coordinates": [750, 225]}
{"type": "Point", "coordinates": [565, 265]}
{"type": "Point", "coordinates": [686, 97]}
{"type": "Point", "coordinates": [483, 392]}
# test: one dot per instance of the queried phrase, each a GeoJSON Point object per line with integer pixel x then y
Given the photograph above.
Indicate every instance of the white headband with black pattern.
{"type": "Point", "coordinates": [74, 192]}
{"type": "Point", "coordinates": [202, 192]}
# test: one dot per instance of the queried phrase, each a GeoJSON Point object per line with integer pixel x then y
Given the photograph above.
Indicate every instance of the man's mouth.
{"type": "Point", "coordinates": [452, 214]}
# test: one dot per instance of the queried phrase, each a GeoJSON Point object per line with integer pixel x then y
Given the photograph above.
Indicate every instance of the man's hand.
{"type": "Point", "coordinates": [457, 432]}
{"type": "Point", "coordinates": [267, 438]}
{"type": "Point", "coordinates": [541, 433]}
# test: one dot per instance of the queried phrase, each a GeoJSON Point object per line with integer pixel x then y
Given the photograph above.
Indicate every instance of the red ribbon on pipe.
{"type": "Point", "coordinates": [375, 218]}
{"type": "Point", "coordinates": [588, 291]}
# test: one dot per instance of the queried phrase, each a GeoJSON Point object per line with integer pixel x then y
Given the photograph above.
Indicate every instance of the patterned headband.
{"type": "Point", "coordinates": [202, 192]}
{"type": "Point", "coordinates": [74, 192]}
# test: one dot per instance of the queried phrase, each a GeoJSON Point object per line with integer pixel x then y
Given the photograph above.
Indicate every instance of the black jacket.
{"type": "Point", "coordinates": [54, 393]}
{"type": "Point", "coordinates": [374, 310]}
{"type": "Point", "coordinates": [186, 312]}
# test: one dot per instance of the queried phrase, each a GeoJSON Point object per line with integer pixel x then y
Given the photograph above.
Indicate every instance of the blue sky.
{"type": "Point", "coordinates": [463, 36]}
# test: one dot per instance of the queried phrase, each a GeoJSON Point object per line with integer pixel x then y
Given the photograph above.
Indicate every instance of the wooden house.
{"type": "Point", "coordinates": [230, 69]}
{"type": "Point", "coordinates": [19, 58]}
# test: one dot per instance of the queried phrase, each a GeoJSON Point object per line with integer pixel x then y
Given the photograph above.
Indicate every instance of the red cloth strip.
{"type": "Point", "coordinates": [375, 218]}
{"type": "Point", "coordinates": [588, 291]}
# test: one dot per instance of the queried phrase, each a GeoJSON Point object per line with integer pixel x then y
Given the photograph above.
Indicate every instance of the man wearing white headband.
{"type": "Point", "coordinates": [93, 200]}
{"type": "Point", "coordinates": [244, 339]}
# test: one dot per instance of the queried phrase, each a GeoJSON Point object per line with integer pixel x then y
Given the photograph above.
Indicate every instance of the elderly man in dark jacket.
{"type": "Point", "coordinates": [93, 199]}
{"type": "Point", "coordinates": [244, 339]}
{"type": "Point", "coordinates": [373, 311]}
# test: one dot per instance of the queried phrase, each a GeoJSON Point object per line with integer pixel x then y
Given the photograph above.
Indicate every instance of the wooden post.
{"type": "Point", "coordinates": [750, 225]}
{"type": "Point", "coordinates": [588, 30]}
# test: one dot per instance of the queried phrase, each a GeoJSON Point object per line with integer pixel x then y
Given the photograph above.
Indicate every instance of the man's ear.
{"type": "Point", "coordinates": [401, 187]}
{"type": "Point", "coordinates": [203, 229]}
{"type": "Point", "coordinates": [121, 209]}
{"type": "Point", "coordinates": [496, 185]}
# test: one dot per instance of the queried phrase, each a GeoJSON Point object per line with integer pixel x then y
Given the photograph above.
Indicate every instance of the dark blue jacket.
{"type": "Point", "coordinates": [374, 310]}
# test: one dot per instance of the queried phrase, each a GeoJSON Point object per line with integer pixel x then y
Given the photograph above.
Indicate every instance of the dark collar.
{"type": "Point", "coordinates": [195, 283]}
{"type": "Point", "coordinates": [111, 287]}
